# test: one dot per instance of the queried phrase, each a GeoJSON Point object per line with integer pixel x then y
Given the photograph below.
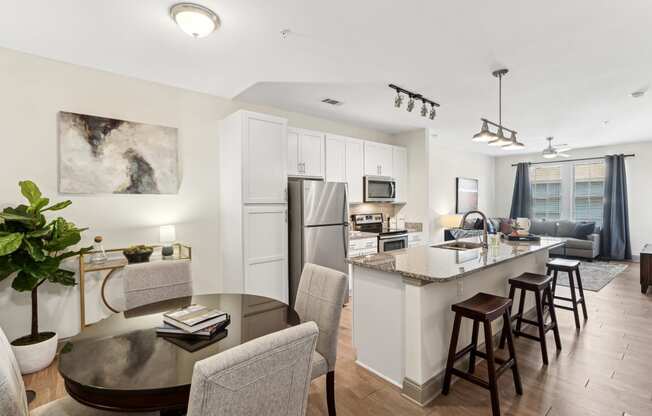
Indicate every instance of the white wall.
{"type": "Point", "coordinates": [446, 164]}
{"type": "Point", "coordinates": [416, 210]}
{"type": "Point", "coordinates": [35, 89]}
{"type": "Point", "coordinates": [638, 186]}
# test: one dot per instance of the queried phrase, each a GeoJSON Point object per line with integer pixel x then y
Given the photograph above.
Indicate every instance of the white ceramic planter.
{"type": "Point", "coordinates": [35, 357]}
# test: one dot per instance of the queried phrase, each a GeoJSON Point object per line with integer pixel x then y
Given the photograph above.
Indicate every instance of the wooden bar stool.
{"type": "Point", "coordinates": [541, 286]}
{"type": "Point", "coordinates": [569, 266]}
{"type": "Point", "coordinates": [483, 308]}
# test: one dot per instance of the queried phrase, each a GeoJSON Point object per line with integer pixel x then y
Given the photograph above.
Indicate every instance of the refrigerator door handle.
{"type": "Point", "coordinates": [346, 240]}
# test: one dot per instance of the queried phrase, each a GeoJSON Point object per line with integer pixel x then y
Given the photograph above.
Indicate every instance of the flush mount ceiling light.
{"type": "Point", "coordinates": [412, 99]}
{"type": "Point", "coordinates": [498, 139]}
{"type": "Point", "coordinates": [196, 20]}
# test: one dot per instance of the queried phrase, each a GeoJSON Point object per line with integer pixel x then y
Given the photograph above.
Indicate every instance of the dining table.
{"type": "Point", "coordinates": [121, 364]}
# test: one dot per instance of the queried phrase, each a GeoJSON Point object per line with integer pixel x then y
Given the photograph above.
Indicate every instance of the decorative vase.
{"type": "Point", "coordinates": [35, 357]}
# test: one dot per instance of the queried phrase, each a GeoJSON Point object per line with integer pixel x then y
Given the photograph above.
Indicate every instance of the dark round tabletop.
{"type": "Point", "coordinates": [121, 364]}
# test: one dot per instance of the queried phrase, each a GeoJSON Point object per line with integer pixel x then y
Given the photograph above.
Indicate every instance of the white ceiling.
{"type": "Point", "coordinates": [572, 63]}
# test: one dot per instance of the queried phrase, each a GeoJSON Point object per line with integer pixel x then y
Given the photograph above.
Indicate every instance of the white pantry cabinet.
{"type": "Point", "coordinates": [305, 150]}
{"type": "Point", "coordinates": [253, 204]}
{"type": "Point", "coordinates": [378, 159]}
{"type": "Point", "coordinates": [266, 251]}
{"type": "Point", "coordinates": [400, 172]}
{"type": "Point", "coordinates": [344, 163]}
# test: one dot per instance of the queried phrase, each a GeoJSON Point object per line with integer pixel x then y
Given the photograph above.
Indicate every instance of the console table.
{"type": "Point", "coordinates": [646, 267]}
{"type": "Point", "coordinates": [181, 252]}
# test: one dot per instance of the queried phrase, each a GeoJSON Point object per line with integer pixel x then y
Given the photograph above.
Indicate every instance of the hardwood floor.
{"type": "Point", "coordinates": [604, 369]}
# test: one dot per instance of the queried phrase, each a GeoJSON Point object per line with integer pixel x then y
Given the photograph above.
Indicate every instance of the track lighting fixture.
{"type": "Point", "coordinates": [498, 138]}
{"type": "Point", "coordinates": [412, 99]}
{"type": "Point", "coordinates": [424, 109]}
{"type": "Point", "coordinates": [410, 105]}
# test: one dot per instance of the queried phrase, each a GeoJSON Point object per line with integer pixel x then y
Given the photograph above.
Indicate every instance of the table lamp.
{"type": "Point", "coordinates": [450, 220]}
{"type": "Point", "coordinates": [168, 236]}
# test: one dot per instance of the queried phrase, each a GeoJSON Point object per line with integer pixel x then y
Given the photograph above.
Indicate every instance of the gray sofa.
{"type": "Point", "coordinates": [576, 246]}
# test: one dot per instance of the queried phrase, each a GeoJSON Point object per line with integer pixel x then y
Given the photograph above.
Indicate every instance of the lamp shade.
{"type": "Point", "coordinates": [450, 220]}
{"type": "Point", "coordinates": [167, 234]}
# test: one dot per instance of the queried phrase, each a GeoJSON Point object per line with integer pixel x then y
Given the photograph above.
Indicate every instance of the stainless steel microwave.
{"type": "Point", "coordinates": [379, 189]}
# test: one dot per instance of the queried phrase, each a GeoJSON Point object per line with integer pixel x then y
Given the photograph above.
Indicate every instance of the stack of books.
{"type": "Point", "coordinates": [194, 326]}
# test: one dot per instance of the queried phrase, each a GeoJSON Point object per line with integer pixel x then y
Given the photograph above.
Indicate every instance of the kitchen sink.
{"type": "Point", "coordinates": [459, 245]}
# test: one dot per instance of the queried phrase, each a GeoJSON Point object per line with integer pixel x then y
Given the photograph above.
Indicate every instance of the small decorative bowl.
{"type": "Point", "coordinates": [139, 257]}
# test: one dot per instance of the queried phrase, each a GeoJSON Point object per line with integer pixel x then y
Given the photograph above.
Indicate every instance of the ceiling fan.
{"type": "Point", "coordinates": [552, 151]}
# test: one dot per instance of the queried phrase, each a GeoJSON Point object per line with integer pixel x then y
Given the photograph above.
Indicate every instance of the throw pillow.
{"type": "Point", "coordinates": [584, 229]}
{"type": "Point", "coordinates": [506, 227]}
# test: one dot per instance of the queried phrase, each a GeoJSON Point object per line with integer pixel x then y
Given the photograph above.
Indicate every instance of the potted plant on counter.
{"type": "Point", "coordinates": [32, 250]}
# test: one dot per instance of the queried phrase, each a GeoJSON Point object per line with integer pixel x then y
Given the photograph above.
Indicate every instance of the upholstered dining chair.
{"type": "Point", "coordinates": [13, 400]}
{"type": "Point", "coordinates": [320, 297]}
{"type": "Point", "coordinates": [267, 376]}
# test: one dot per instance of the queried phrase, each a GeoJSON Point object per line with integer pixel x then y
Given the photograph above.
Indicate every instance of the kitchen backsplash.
{"type": "Point", "coordinates": [372, 208]}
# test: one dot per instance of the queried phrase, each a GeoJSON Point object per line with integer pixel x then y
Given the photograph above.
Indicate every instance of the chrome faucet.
{"type": "Point", "coordinates": [485, 238]}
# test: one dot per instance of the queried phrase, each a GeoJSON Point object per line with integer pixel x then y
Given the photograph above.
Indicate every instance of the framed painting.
{"type": "Point", "coordinates": [100, 155]}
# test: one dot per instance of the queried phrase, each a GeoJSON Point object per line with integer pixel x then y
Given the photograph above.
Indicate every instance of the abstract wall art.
{"type": "Point", "coordinates": [99, 155]}
{"type": "Point", "coordinates": [467, 195]}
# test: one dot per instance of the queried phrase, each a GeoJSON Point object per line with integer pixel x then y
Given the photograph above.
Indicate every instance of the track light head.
{"type": "Point", "coordinates": [484, 135]}
{"type": "Point", "coordinates": [424, 109]}
{"type": "Point", "coordinates": [433, 112]}
{"type": "Point", "coordinates": [398, 101]}
{"type": "Point", "coordinates": [410, 105]}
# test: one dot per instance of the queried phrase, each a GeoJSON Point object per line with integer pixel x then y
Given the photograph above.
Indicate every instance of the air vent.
{"type": "Point", "coordinates": [331, 101]}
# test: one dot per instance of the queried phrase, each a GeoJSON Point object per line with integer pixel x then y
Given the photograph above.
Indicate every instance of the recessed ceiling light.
{"type": "Point", "coordinates": [196, 20]}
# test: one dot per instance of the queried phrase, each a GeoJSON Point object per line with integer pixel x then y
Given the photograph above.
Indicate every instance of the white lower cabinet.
{"type": "Point", "coordinates": [415, 239]}
{"type": "Point", "coordinates": [265, 251]}
{"type": "Point", "coordinates": [363, 246]}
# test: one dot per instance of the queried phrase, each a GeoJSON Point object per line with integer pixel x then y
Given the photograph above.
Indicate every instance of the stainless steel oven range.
{"type": "Point", "coordinates": [388, 239]}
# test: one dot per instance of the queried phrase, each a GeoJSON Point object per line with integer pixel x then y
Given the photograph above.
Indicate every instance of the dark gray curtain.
{"type": "Point", "coordinates": [522, 196]}
{"type": "Point", "coordinates": [615, 217]}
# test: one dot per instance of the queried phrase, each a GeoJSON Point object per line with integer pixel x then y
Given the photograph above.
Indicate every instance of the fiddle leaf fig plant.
{"type": "Point", "coordinates": [33, 248]}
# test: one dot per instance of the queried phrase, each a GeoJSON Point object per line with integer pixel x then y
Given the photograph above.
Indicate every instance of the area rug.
{"type": "Point", "coordinates": [595, 275]}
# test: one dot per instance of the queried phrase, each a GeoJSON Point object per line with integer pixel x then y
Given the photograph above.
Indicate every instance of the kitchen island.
{"type": "Point", "coordinates": [402, 318]}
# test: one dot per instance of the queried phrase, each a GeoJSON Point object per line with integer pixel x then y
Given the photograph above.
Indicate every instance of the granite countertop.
{"type": "Point", "coordinates": [358, 235]}
{"type": "Point", "coordinates": [432, 264]}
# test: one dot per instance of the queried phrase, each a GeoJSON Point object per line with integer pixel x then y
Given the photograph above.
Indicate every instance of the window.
{"type": "Point", "coordinates": [546, 192]}
{"type": "Point", "coordinates": [588, 192]}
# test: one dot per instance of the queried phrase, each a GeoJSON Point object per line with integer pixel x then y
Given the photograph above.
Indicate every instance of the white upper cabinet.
{"type": "Point", "coordinates": [305, 150]}
{"type": "Point", "coordinates": [400, 172]}
{"type": "Point", "coordinates": [335, 158]}
{"type": "Point", "coordinates": [344, 163]}
{"type": "Point", "coordinates": [378, 159]}
{"type": "Point", "coordinates": [355, 169]}
{"type": "Point", "coordinates": [264, 159]}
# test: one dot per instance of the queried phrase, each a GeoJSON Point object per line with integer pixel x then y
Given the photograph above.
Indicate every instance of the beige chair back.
{"type": "Point", "coordinates": [268, 376]}
{"type": "Point", "coordinates": [320, 297]}
{"type": "Point", "coordinates": [13, 400]}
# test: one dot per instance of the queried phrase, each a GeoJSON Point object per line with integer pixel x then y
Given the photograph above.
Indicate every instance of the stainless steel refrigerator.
{"type": "Point", "coordinates": [318, 227]}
